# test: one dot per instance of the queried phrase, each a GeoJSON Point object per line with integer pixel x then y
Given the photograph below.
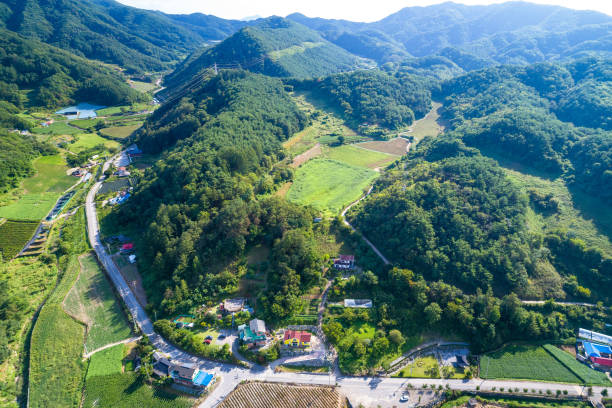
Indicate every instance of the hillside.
{"type": "Point", "coordinates": [137, 40]}
{"type": "Point", "coordinates": [62, 79]}
{"type": "Point", "coordinates": [512, 32]}
{"type": "Point", "coordinates": [273, 46]}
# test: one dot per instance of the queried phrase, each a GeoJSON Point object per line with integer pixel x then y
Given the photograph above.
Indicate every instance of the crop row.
{"type": "Point", "coordinates": [14, 235]}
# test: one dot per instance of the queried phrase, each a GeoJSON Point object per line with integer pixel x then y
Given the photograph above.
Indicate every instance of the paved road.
{"type": "Point", "coordinates": [369, 391]}
{"type": "Point", "coordinates": [541, 302]}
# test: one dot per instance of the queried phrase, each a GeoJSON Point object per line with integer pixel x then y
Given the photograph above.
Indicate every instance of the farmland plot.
{"type": "Point", "coordinates": [587, 374]}
{"type": "Point", "coordinates": [526, 363]}
{"type": "Point", "coordinates": [14, 235]}
{"type": "Point", "coordinates": [268, 395]}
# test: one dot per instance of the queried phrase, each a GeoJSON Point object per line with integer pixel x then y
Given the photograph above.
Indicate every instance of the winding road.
{"type": "Point", "coordinates": [369, 391]}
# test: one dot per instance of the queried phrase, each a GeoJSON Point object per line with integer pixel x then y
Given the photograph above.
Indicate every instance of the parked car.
{"type": "Point", "coordinates": [221, 337]}
{"type": "Point", "coordinates": [404, 397]}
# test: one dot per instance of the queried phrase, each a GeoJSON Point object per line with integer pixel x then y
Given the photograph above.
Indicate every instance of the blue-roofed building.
{"type": "Point", "coordinates": [80, 111]}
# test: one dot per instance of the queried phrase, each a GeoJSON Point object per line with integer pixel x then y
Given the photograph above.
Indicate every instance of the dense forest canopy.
{"type": "Point", "coordinates": [137, 40]}
{"type": "Point", "coordinates": [521, 113]}
{"type": "Point", "coordinates": [199, 203]}
{"type": "Point", "coordinates": [453, 215]}
{"type": "Point", "coordinates": [374, 97]}
{"type": "Point", "coordinates": [54, 77]}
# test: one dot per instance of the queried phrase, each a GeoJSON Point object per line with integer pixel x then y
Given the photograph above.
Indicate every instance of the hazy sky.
{"type": "Point", "coordinates": [356, 10]}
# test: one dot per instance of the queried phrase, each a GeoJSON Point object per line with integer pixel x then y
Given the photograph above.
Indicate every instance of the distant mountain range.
{"type": "Point", "coordinates": [464, 37]}
{"type": "Point", "coordinates": [513, 32]}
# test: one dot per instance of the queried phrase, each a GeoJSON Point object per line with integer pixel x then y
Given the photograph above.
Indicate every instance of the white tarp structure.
{"type": "Point", "coordinates": [358, 303]}
{"type": "Point", "coordinates": [591, 335]}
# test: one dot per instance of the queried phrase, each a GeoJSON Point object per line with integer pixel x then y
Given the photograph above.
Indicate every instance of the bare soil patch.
{"type": "Point", "coordinates": [397, 146]}
{"type": "Point", "coordinates": [269, 395]}
{"type": "Point", "coordinates": [132, 277]}
{"type": "Point", "coordinates": [307, 155]}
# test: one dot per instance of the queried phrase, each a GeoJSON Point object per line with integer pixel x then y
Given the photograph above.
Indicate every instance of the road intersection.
{"type": "Point", "coordinates": [369, 391]}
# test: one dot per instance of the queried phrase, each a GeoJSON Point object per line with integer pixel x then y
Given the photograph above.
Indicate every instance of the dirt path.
{"type": "Point", "coordinates": [130, 340]}
{"type": "Point", "coordinates": [367, 241]}
{"type": "Point", "coordinates": [307, 155]}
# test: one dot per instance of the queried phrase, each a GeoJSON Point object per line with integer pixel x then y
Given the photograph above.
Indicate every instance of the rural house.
{"type": "Point", "coordinates": [345, 262]}
{"type": "Point", "coordinates": [254, 334]}
{"type": "Point", "coordinates": [358, 303]}
{"type": "Point", "coordinates": [295, 338]}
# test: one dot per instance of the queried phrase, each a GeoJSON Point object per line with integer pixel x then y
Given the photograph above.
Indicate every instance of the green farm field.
{"type": "Point", "coordinates": [56, 365]}
{"type": "Point", "coordinates": [107, 386]}
{"type": "Point", "coordinates": [41, 190]}
{"type": "Point", "coordinates": [57, 128]}
{"type": "Point", "coordinates": [429, 125]}
{"type": "Point", "coordinates": [107, 361]}
{"type": "Point", "coordinates": [586, 373]}
{"type": "Point", "coordinates": [525, 362]}
{"type": "Point", "coordinates": [358, 156]}
{"type": "Point", "coordinates": [143, 86]}
{"type": "Point", "coordinates": [92, 301]}
{"type": "Point", "coordinates": [120, 132]}
{"type": "Point", "coordinates": [88, 140]}
{"type": "Point", "coordinates": [329, 185]}
{"type": "Point", "coordinates": [14, 235]}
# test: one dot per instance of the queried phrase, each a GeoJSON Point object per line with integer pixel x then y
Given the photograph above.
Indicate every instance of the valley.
{"type": "Point", "coordinates": [208, 212]}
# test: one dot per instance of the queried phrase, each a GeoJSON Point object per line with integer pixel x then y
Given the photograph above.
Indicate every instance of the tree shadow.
{"type": "Point", "coordinates": [593, 209]}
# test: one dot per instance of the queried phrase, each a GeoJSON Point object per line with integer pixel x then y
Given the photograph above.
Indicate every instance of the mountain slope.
{"type": "Point", "coordinates": [275, 47]}
{"type": "Point", "coordinates": [105, 30]}
{"type": "Point", "coordinates": [513, 32]}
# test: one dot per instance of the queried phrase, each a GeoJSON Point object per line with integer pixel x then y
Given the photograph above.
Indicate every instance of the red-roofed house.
{"type": "Point", "coordinates": [344, 262]}
{"type": "Point", "coordinates": [127, 247]}
{"type": "Point", "coordinates": [294, 338]}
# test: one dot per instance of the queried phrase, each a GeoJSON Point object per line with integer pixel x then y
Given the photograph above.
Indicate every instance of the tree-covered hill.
{"type": "Point", "coordinates": [135, 39]}
{"type": "Point", "coordinates": [543, 115]}
{"type": "Point", "coordinates": [512, 32]}
{"type": "Point", "coordinates": [447, 213]}
{"type": "Point", "coordinates": [54, 77]}
{"type": "Point", "coordinates": [390, 100]}
{"type": "Point", "coordinates": [200, 205]}
{"type": "Point", "coordinates": [273, 46]}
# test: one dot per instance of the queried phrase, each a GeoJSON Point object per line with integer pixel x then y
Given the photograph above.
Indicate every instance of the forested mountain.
{"type": "Point", "coordinates": [513, 32]}
{"type": "Point", "coordinates": [198, 204]}
{"type": "Point", "coordinates": [273, 46]}
{"type": "Point", "coordinates": [135, 39]}
{"type": "Point", "coordinates": [390, 100]}
{"type": "Point", "coordinates": [52, 77]}
{"type": "Point", "coordinates": [524, 114]}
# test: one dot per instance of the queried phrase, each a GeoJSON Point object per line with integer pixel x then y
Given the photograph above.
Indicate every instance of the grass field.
{"type": "Point", "coordinates": [120, 132]}
{"type": "Point", "coordinates": [57, 128]}
{"type": "Point", "coordinates": [587, 374]}
{"type": "Point", "coordinates": [84, 123]}
{"type": "Point", "coordinates": [525, 362]}
{"type": "Point", "coordinates": [143, 86]}
{"type": "Point", "coordinates": [429, 125]}
{"type": "Point", "coordinates": [14, 235]}
{"type": "Point", "coordinates": [88, 140]}
{"type": "Point", "coordinates": [329, 185]}
{"type": "Point", "coordinates": [107, 361]}
{"type": "Point", "coordinates": [41, 190]}
{"type": "Point", "coordinates": [92, 301]}
{"type": "Point", "coordinates": [56, 367]}
{"type": "Point", "coordinates": [357, 156]}
{"type": "Point", "coordinates": [519, 402]}
{"type": "Point", "coordinates": [422, 367]}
